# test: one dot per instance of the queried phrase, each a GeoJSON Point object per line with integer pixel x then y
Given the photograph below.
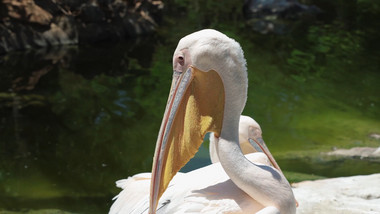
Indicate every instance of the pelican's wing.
{"type": "Point", "coordinates": [205, 190]}
{"type": "Point", "coordinates": [134, 198]}
{"type": "Point", "coordinates": [209, 190]}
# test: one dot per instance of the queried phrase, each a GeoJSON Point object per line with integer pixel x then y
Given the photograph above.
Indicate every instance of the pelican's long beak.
{"type": "Point", "coordinates": [195, 106]}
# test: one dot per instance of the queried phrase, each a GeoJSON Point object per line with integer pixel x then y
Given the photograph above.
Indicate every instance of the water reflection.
{"type": "Point", "coordinates": [73, 121]}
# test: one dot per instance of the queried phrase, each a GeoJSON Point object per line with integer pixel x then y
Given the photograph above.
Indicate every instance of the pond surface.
{"type": "Point", "coordinates": [74, 120]}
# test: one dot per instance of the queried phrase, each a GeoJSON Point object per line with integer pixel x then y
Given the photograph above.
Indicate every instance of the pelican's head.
{"type": "Point", "coordinates": [249, 129]}
{"type": "Point", "coordinates": [209, 89]}
{"type": "Point", "coordinates": [251, 140]}
{"type": "Point", "coordinates": [208, 50]}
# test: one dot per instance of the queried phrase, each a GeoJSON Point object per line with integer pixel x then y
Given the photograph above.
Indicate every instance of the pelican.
{"type": "Point", "coordinates": [250, 140]}
{"type": "Point", "coordinates": [208, 94]}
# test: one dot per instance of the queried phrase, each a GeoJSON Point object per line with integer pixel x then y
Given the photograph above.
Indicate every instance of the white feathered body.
{"type": "Point", "coordinates": [191, 192]}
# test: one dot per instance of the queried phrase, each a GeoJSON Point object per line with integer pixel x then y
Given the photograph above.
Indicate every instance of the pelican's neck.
{"type": "Point", "coordinates": [263, 183]}
{"type": "Point", "coordinates": [230, 154]}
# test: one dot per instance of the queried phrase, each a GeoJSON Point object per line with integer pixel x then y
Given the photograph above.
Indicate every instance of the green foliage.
{"type": "Point", "coordinates": [335, 42]}
{"type": "Point", "coordinates": [303, 62]}
{"type": "Point", "coordinates": [329, 49]}
{"type": "Point", "coordinates": [206, 14]}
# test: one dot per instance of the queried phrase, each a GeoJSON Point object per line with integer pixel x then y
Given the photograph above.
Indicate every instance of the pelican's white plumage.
{"type": "Point", "coordinates": [195, 194]}
{"type": "Point", "coordinates": [238, 184]}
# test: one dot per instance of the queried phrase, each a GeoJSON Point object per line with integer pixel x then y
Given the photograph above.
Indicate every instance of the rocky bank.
{"type": "Point", "coordinates": [39, 23]}
{"type": "Point", "coordinates": [345, 195]}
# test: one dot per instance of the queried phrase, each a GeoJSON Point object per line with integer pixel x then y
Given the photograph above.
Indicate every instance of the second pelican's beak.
{"type": "Point", "coordinates": [195, 106]}
{"type": "Point", "coordinates": [257, 141]}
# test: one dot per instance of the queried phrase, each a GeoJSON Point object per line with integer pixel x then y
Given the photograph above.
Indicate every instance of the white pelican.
{"type": "Point", "coordinates": [208, 94]}
{"type": "Point", "coordinates": [250, 140]}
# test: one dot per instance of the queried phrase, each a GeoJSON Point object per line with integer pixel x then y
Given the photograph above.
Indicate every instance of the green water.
{"type": "Point", "coordinates": [73, 120]}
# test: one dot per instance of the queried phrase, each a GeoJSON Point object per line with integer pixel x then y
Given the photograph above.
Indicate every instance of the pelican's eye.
{"type": "Point", "coordinates": [181, 60]}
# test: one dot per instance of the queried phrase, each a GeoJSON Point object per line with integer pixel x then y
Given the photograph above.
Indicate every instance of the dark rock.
{"type": "Point", "coordinates": [61, 32]}
{"type": "Point", "coordinates": [276, 16]}
{"type": "Point", "coordinates": [280, 8]}
{"type": "Point", "coordinates": [18, 35]}
{"type": "Point", "coordinates": [27, 11]}
{"type": "Point", "coordinates": [39, 23]}
{"type": "Point", "coordinates": [49, 6]}
{"type": "Point", "coordinates": [91, 13]}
